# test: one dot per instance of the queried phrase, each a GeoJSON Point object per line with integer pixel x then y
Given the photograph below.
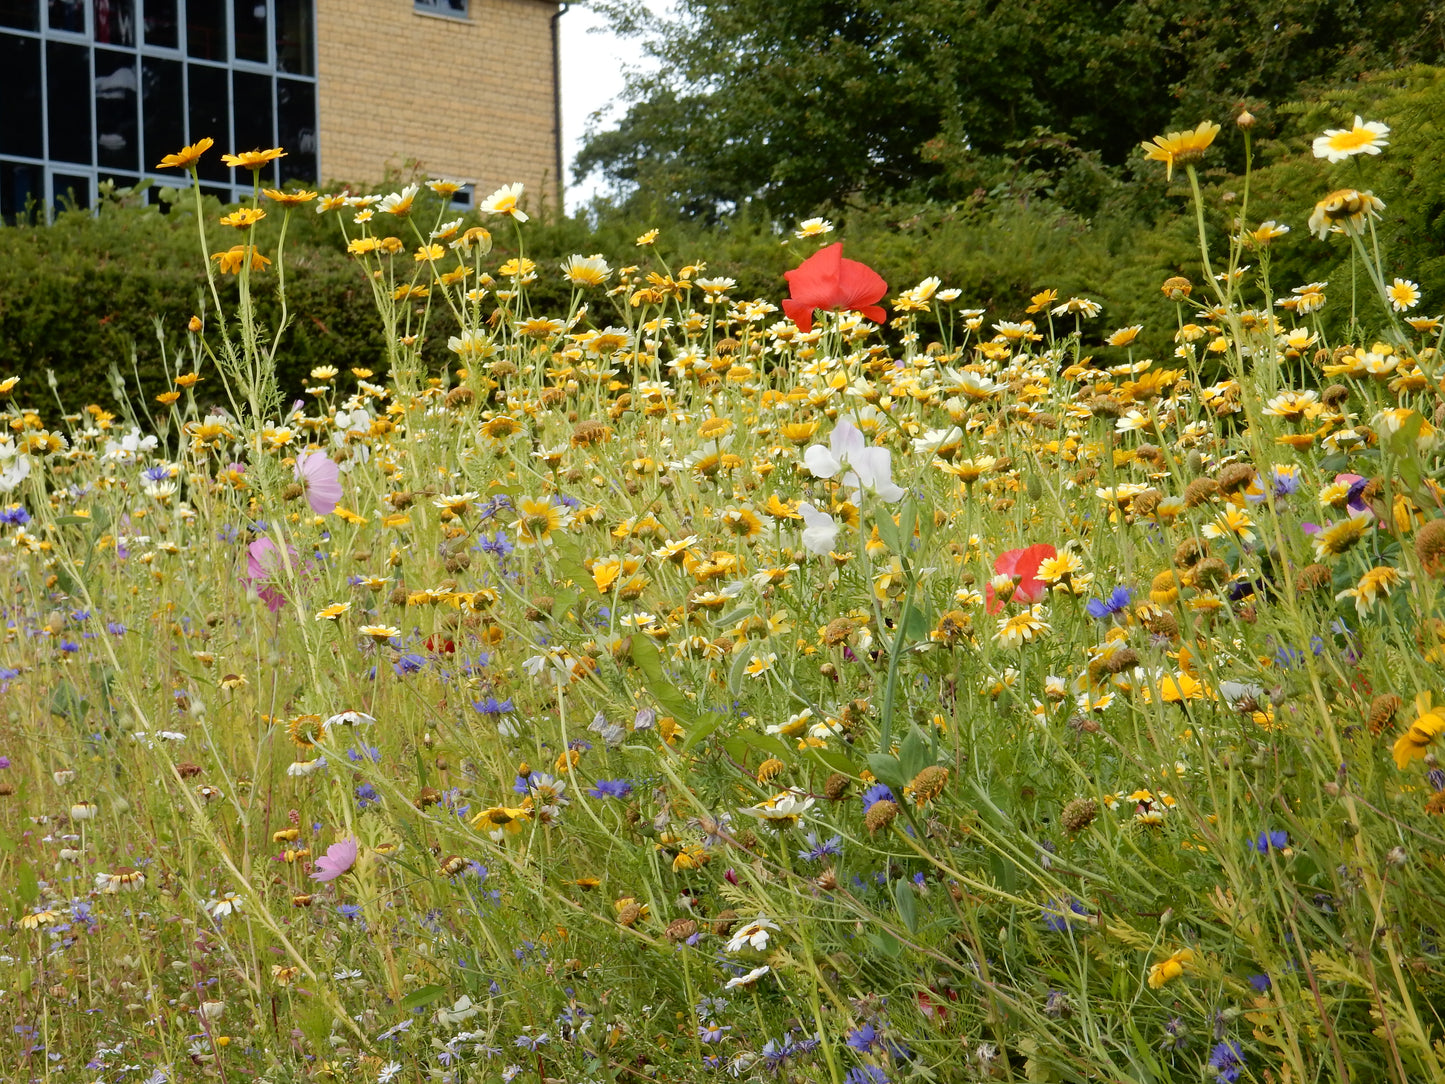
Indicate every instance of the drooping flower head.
{"type": "Point", "coordinates": [1181, 148]}
{"type": "Point", "coordinates": [1346, 209]}
{"type": "Point", "coordinates": [825, 280]}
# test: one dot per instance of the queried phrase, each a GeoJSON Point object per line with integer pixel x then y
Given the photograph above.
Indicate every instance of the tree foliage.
{"type": "Point", "coordinates": [817, 103]}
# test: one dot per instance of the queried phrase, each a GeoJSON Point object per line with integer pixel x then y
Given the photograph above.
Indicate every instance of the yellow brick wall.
{"type": "Point", "coordinates": [466, 99]}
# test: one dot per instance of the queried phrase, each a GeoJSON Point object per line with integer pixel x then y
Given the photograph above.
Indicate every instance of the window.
{"type": "Point", "coordinates": [93, 91]}
{"type": "Point", "coordinates": [116, 133]}
{"type": "Point", "coordinates": [21, 14]}
{"type": "Point", "coordinates": [21, 131]}
{"type": "Point", "coordinates": [67, 77]}
{"type": "Point", "coordinates": [456, 9]}
{"type": "Point", "coordinates": [114, 21]}
{"type": "Point", "coordinates": [162, 29]}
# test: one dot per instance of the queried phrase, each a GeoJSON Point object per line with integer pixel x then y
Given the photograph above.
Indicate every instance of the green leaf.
{"type": "Point", "coordinates": [648, 661]}
{"type": "Point", "coordinates": [915, 754]}
{"type": "Point", "coordinates": [915, 624]}
{"type": "Point", "coordinates": [835, 761]}
{"type": "Point", "coordinates": [886, 943]}
{"type": "Point", "coordinates": [887, 530]}
{"type": "Point", "coordinates": [705, 727]}
{"type": "Point", "coordinates": [27, 885]}
{"type": "Point", "coordinates": [424, 996]}
{"type": "Point", "coordinates": [887, 769]}
{"type": "Point", "coordinates": [906, 901]}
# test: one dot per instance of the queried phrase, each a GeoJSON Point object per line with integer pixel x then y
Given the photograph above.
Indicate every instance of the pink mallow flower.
{"type": "Point", "coordinates": [339, 858]}
{"type": "Point", "coordinates": [319, 476]}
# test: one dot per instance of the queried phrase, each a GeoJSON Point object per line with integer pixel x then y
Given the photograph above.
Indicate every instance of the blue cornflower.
{"type": "Point", "coordinates": [878, 792]}
{"type": "Point", "coordinates": [366, 752]}
{"type": "Point", "coordinates": [866, 1074]}
{"type": "Point", "coordinates": [1226, 1059]}
{"type": "Point", "coordinates": [1269, 841]}
{"type": "Point", "coordinates": [366, 796]}
{"type": "Point", "coordinates": [492, 706]}
{"type": "Point", "coordinates": [349, 911]}
{"type": "Point", "coordinates": [864, 1039]}
{"type": "Point", "coordinates": [1059, 911]}
{"type": "Point", "coordinates": [611, 788]}
{"type": "Point", "coordinates": [1261, 983]}
{"type": "Point", "coordinates": [156, 474]}
{"type": "Point", "coordinates": [498, 546]}
{"type": "Point", "coordinates": [14, 516]}
{"type": "Point", "coordinates": [816, 852]}
{"type": "Point", "coordinates": [69, 646]}
{"type": "Point", "coordinates": [409, 663]}
{"type": "Point", "coordinates": [532, 1042]}
{"type": "Point", "coordinates": [1116, 603]}
{"type": "Point", "coordinates": [1286, 481]}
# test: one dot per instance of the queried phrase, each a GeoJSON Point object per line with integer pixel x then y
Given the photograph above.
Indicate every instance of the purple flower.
{"type": "Point", "coordinates": [611, 788]}
{"type": "Point", "coordinates": [320, 478]}
{"type": "Point", "coordinates": [1058, 912]}
{"type": "Point", "coordinates": [1261, 983]}
{"type": "Point", "coordinates": [1269, 841]}
{"type": "Point", "coordinates": [1226, 1059]}
{"type": "Point", "coordinates": [339, 858]}
{"type": "Point", "coordinates": [1116, 603]}
{"type": "Point", "coordinates": [878, 792]}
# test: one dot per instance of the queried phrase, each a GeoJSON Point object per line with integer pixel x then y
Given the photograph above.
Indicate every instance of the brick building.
{"type": "Point", "coordinates": [354, 90]}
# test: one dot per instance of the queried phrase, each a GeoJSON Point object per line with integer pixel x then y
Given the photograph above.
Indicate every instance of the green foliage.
{"type": "Point", "coordinates": [832, 103]}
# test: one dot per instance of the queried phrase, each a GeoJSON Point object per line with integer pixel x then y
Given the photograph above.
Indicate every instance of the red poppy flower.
{"type": "Point", "coordinates": [1023, 567]}
{"type": "Point", "coordinates": [827, 281]}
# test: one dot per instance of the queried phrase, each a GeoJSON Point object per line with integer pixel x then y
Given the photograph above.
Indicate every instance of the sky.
{"type": "Point", "coordinates": [593, 61]}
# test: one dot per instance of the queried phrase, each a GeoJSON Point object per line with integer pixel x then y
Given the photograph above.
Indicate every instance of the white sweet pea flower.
{"type": "Point", "coordinates": [866, 467]}
{"type": "Point", "coordinates": [820, 530]}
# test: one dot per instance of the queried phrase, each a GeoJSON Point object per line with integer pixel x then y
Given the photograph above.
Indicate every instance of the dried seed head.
{"type": "Point", "coordinates": [680, 929]}
{"type": "Point", "coordinates": [880, 815]}
{"type": "Point", "coordinates": [838, 630]}
{"type": "Point", "coordinates": [1210, 571]}
{"type": "Point", "coordinates": [1126, 658]}
{"type": "Point", "coordinates": [1235, 477]}
{"type": "Point", "coordinates": [928, 784]}
{"type": "Point", "coordinates": [460, 397]}
{"type": "Point", "coordinates": [1312, 578]}
{"type": "Point", "coordinates": [629, 915]}
{"type": "Point", "coordinates": [722, 925]}
{"type": "Point", "coordinates": [1200, 491]}
{"type": "Point", "coordinates": [1162, 625]}
{"type": "Point", "coordinates": [1430, 546]}
{"type": "Point", "coordinates": [1079, 814]}
{"type": "Point", "coordinates": [1382, 711]}
{"type": "Point", "coordinates": [836, 786]}
{"type": "Point", "coordinates": [1335, 395]}
{"type": "Point", "coordinates": [1188, 553]}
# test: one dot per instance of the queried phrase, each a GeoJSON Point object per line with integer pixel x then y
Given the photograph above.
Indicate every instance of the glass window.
{"type": "Point", "coordinates": [296, 129]}
{"type": "Point", "coordinates": [295, 40]}
{"type": "Point", "coordinates": [20, 120]}
{"type": "Point", "coordinates": [254, 115]}
{"type": "Point", "coordinates": [116, 132]}
{"type": "Point", "coordinates": [22, 190]}
{"type": "Point", "coordinates": [206, 30]}
{"type": "Point", "coordinates": [209, 107]}
{"type": "Point", "coordinates": [114, 21]}
{"type": "Point", "coordinates": [68, 15]}
{"type": "Point", "coordinates": [250, 23]}
{"type": "Point", "coordinates": [67, 90]}
{"type": "Point", "coordinates": [456, 8]}
{"type": "Point", "coordinates": [69, 192]}
{"type": "Point", "coordinates": [163, 104]}
{"type": "Point", "coordinates": [161, 26]}
{"type": "Point", "coordinates": [21, 14]}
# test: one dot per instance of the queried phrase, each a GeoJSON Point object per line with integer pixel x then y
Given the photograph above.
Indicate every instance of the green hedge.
{"type": "Point", "coordinates": [84, 293]}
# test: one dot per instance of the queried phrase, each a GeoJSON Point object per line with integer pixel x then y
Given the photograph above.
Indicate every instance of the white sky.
{"type": "Point", "coordinates": [593, 60]}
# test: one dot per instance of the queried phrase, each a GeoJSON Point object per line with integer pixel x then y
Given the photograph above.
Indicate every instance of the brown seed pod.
{"type": "Point", "coordinates": [1079, 814]}
{"type": "Point", "coordinates": [880, 815]}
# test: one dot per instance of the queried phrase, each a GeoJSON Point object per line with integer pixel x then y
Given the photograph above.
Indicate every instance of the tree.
{"type": "Point", "coordinates": [812, 104]}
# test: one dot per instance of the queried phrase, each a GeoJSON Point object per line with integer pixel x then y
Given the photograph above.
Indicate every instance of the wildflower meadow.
{"type": "Point", "coordinates": [847, 685]}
